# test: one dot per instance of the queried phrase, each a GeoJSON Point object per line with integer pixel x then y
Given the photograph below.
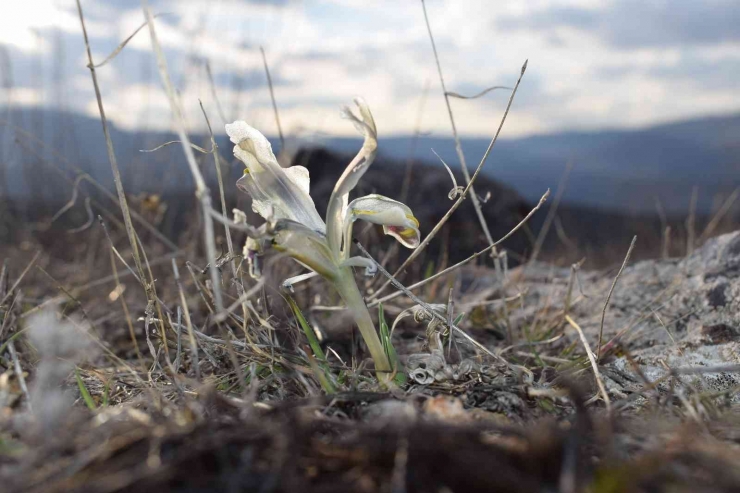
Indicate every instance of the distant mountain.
{"type": "Point", "coordinates": [615, 170]}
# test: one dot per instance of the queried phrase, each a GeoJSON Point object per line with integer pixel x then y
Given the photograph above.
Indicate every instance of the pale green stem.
{"type": "Point", "coordinates": [347, 288]}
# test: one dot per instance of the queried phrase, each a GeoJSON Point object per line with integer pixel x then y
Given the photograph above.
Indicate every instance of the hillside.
{"type": "Point", "coordinates": [613, 170]}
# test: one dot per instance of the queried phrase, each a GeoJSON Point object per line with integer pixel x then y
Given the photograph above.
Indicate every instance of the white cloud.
{"type": "Point", "coordinates": [24, 96]}
{"type": "Point", "coordinates": [324, 52]}
{"type": "Point", "coordinates": [20, 23]}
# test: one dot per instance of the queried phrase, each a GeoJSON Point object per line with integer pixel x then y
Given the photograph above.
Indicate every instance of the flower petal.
{"type": "Point", "coordinates": [285, 191]}
{"type": "Point", "coordinates": [299, 175]}
{"type": "Point", "coordinates": [351, 175]}
{"type": "Point", "coordinates": [396, 218]}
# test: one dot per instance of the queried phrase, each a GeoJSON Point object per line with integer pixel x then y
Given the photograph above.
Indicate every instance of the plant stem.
{"type": "Point", "coordinates": [347, 288]}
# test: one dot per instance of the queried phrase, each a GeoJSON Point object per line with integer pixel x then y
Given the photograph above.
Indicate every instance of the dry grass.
{"type": "Point", "coordinates": [180, 373]}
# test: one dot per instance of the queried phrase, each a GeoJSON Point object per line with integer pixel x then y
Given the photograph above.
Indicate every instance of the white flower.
{"type": "Point", "coordinates": [281, 196]}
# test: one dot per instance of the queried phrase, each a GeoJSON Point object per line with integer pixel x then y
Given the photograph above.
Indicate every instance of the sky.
{"type": "Point", "coordinates": [592, 64]}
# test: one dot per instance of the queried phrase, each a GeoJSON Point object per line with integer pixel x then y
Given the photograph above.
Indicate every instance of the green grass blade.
{"type": "Point", "coordinates": [319, 368]}
{"type": "Point", "coordinates": [12, 338]}
{"type": "Point", "coordinates": [390, 351]}
{"type": "Point", "coordinates": [322, 375]}
{"type": "Point", "coordinates": [84, 392]}
{"type": "Point", "coordinates": [310, 334]}
{"type": "Point", "coordinates": [106, 394]}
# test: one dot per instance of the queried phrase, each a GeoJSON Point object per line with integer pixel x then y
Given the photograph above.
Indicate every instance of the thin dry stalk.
{"type": "Point", "coordinates": [426, 305]}
{"type": "Point", "coordinates": [458, 146]}
{"type": "Point", "coordinates": [241, 300]}
{"type": "Point", "coordinates": [691, 222]}
{"type": "Point", "coordinates": [90, 219]}
{"type": "Point", "coordinates": [134, 215]}
{"type": "Point", "coordinates": [414, 141]}
{"type": "Point", "coordinates": [480, 94]}
{"type": "Point", "coordinates": [122, 45]}
{"type": "Point", "coordinates": [668, 331]}
{"type": "Point", "coordinates": [110, 354]}
{"type": "Point", "coordinates": [112, 155]}
{"type": "Point", "coordinates": [552, 211]}
{"type": "Point", "coordinates": [92, 284]}
{"type": "Point", "coordinates": [160, 317]}
{"type": "Point", "coordinates": [272, 98]}
{"type": "Point", "coordinates": [202, 192]}
{"type": "Point", "coordinates": [719, 216]}
{"type": "Point", "coordinates": [215, 96]}
{"type": "Point", "coordinates": [562, 236]}
{"type": "Point", "coordinates": [69, 295]}
{"type": "Point", "coordinates": [124, 305]}
{"type": "Point", "coordinates": [7, 316]}
{"type": "Point", "coordinates": [458, 202]}
{"type": "Point", "coordinates": [609, 296]}
{"type": "Point", "coordinates": [139, 279]}
{"type": "Point", "coordinates": [19, 373]}
{"type": "Point", "coordinates": [695, 370]}
{"type": "Point", "coordinates": [594, 365]}
{"type": "Point", "coordinates": [661, 213]}
{"type": "Point", "coordinates": [667, 242]}
{"type": "Point", "coordinates": [466, 173]}
{"type": "Point", "coordinates": [3, 274]}
{"type": "Point", "coordinates": [569, 291]}
{"type": "Point", "coordinates": [186, 312]}
{"type": "Point", "coordinates": [20, 278]}
{"type": "Point", "coordinates": [222, 195]}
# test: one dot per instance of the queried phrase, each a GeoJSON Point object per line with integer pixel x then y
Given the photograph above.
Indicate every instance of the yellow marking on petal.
{"type": "Point", "coordinates": [357, 212]}
{"type": "Point", "coordinates": [246, 171]}
{"type": "Point", "coordinates": [405, 232]}
{"type": "Point", "coordinates": [413, 219]}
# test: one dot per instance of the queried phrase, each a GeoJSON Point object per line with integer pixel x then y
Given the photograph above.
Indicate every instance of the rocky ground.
{"type": "Point", "coordinates": [126, 408]}
{"type": "Point", "coordinates": [663, 315]}
{"type": "Point", "coordinates": [530, 419]}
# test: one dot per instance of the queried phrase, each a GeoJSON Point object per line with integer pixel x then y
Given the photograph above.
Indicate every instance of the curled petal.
{"type": "Point", "coordinates": [396, 218]}
{"type": "Point", "coordinates": [366, 123]}
{"type": "Point", "coordinates": [352, 174]}
{"type": "Point", "coordinates": [285, 190]}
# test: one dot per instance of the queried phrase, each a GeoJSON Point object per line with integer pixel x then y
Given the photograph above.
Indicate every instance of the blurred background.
{"type": "Point", "coordinates": [630, 108]}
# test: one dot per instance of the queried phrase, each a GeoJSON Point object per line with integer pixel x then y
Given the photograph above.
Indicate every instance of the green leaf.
{"type": "Point", "coordinates": [84, 392]}
{"type": "Point", "coordinates": [12, 338]}
{"type": "Point", "coordinates": [390, 351]}
{"type": "Point", "coordinates": [322, 375]}
{"type": "Point", "coordinates": [313, 341]}
{"type": "Point", "coordinates": [320, 368]}
{"type": "Point", "coordinates": [429, 271]}
{"type": "Point", "coordinates": [106, 396]}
